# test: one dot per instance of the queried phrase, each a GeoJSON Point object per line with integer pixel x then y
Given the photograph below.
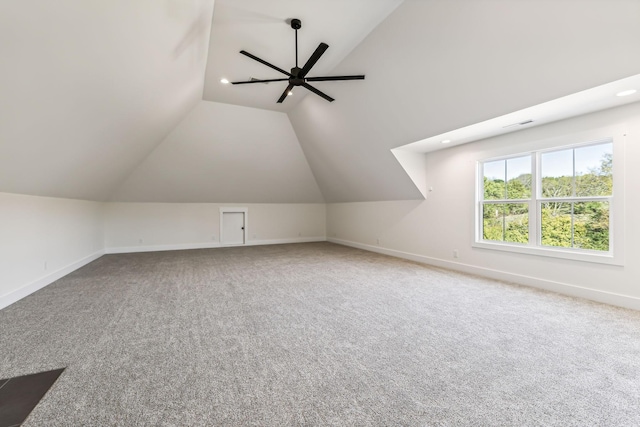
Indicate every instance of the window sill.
{"type": "Point", "coordinates": [593, 257]}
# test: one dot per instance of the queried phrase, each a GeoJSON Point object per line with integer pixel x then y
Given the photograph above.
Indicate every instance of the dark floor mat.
{"type": "Point", "coordinates": [19, 395]}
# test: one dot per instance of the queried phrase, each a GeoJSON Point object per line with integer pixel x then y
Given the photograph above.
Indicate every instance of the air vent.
{"type": "Point", "coordinates": [526, 122]}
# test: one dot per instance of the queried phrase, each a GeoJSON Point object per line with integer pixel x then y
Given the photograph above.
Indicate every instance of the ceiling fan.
{"type": "Point", "coordinates": [298, 76]}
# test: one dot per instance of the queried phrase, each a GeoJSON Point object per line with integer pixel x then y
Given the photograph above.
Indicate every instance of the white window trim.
{"type": "Point", "coordinates": [615, 256]}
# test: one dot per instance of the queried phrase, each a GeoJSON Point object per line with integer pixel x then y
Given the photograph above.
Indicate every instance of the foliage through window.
{"type": "Point", "coordinates": [553, 199]}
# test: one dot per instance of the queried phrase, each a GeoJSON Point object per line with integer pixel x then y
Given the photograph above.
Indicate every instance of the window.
{"type": "Point", "coordinates": [550, 202]}
{"type": "Point", "coordinates": [507, 196]}
{"type": "Point", "coordinates": [576, 190]}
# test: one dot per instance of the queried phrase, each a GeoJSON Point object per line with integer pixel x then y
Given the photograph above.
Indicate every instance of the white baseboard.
{"type": "Point", "coordinates": [159, 248]}
{"type": "Point", "coordinates": [186, 246]}
{"type": "Point", "coordinates": [284, 241]}
{"type": "Point", "coordinates": [562, 288]}
{"type": "Point", "coordinates": [18, 294]}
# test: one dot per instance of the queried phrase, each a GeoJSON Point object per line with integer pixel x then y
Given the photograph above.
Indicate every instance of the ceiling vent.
{"type": "Point", "coordinates": [526, 122]}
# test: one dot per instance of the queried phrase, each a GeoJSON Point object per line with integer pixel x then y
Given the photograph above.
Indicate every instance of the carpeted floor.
{"type": "Point", "coordinates": [316, 334]}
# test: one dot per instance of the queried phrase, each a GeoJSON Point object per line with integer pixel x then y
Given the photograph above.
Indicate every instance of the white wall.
{"type": "Point", "coordinates": [133, 227]}
{"type": "Point", "coordinates": [42, 239]}
{"type": "Point", "coordinates": [430, 230]}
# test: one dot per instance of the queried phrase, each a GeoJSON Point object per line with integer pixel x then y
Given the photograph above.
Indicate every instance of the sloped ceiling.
{"type": "Point", "coordinates": [91, 92]}
{"type": "Point", "coordinates": [223, 152]}
{"type": "Point", "coordinates": [437, 65]}
{"type": "Point", "coordinates": [89, 88]}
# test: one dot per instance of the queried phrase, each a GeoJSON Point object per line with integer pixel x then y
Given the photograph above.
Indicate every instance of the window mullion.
{"type": "Point", "coordinates": [533, 211]}
{"type": "Point", "coordinates": [573, 178]}
{"type": "Point", "coordinates": [505, 181]}
{"type": "Point", "coordinates": [573, 230]}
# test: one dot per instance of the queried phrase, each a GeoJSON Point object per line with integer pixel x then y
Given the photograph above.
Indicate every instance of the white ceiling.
{"type": "Point", "coordinates": [103, 99]}
{"type": "Point", "coordinates": [89, 88]}
{"type": "Point", "coordinates": [261, 27]}
{"type": "Point", "coordinates": [438, 65]}
{"type": "Point", "coordinates": [584, 102]}
{"type": "Point", "coordinates": [212, 154]}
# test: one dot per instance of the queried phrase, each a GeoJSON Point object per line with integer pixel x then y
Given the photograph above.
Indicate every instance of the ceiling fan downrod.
{"type": "Point", "coordinates": [296, 24]}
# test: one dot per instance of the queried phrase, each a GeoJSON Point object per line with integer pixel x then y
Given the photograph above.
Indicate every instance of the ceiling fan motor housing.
{"type": "Point", "coordinates": [296, 24]}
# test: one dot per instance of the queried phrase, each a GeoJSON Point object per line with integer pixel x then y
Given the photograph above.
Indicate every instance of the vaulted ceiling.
{"type": "Point", "coordinates": [262, 28]}
{"type": "Point", "coordinates": [121, 100]}
{"type": "Point", "coordinates": [88, 89]}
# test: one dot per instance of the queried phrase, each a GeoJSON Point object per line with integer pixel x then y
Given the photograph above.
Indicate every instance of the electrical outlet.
{"type": "Point", "coordinates": [377, 241]}
{"type": "Point", "coordinates": [140, 240]}
{"type": "Point", "coordinates": [299, 234]}
{"type": "Point", "coordinates": [455, 253]}
{"type": "Point", "coordinates": [213, 237]}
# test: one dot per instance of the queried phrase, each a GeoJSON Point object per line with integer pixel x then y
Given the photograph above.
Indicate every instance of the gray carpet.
{"type": "Point", "coordinates": [316, 334]}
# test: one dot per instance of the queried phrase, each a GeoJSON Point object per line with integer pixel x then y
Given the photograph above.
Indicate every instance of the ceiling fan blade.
{"type": "Point", "coordinates": [317, 92]}
{"type": "Point", "coordinates": [322, 47]}
{"type": "Point", "coordinates": [259, 81]}
{"type": "Point", "coordinates": [329, 78]}
{"type": "Point", "coordinates": [262, 61]}
{"type": "Point", "coordinates": [285, 94]}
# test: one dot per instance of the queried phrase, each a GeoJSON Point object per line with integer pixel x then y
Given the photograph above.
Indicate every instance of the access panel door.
{"type": "Point", "coordinates": [233, 228]}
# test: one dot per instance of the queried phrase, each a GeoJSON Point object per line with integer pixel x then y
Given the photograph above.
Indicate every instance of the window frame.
{"type": "Point", "coordinates": [481, 202]}
{"type": "Point", "coordinates": [534, 246]}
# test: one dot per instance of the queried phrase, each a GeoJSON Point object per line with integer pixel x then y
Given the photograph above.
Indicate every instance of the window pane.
{"type": "Point", "coordinates": [557, 173]}
{"type": "Point", "coordinates": [556, 224]}
{"type": "Point", "coordinates": [519, 178]}
{"type": "Point", "coordinates": [516, 223]}
{"type": "Point", "coordinates": [506, 222]}
{"type": "Point", "coordinates": [493, 222]}
{"type": "Point", "coordinates": [494, 176]}
{"type": "Point", "coordinates": [591, 225]}
{"type": "Point", "coordinates": [594, 170]}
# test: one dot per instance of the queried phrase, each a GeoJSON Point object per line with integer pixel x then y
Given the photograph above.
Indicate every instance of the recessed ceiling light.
{"type": "Point", "coordinates": [224, 81]}
{"type": "Point", "coordinates": [445, 141]}
{"type": "Point", "coordinates": [626, 92]}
